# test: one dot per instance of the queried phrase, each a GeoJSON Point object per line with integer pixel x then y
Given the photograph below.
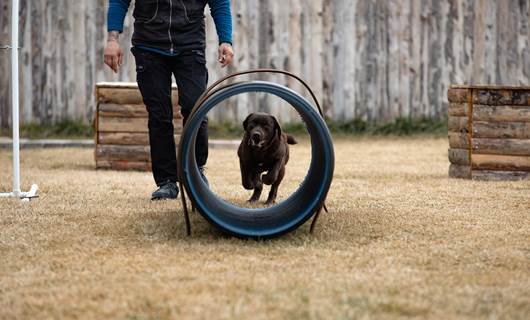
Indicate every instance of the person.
{"type": "Point", "coordinates": [169, 39]}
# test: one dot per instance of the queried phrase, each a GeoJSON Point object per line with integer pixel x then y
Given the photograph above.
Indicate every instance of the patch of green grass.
{"type": "Point", "coordinates": [398, 127]}
{"type": "Point", "coordinates": [405, 127]}
{"type": "Point", "coordinates": [64, 129]}
{"type": "Point", "coordinates": [225, 130]}
{"type": "Point", "coordinates": [231, 130]}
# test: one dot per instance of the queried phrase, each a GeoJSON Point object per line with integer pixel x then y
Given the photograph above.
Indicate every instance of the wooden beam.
{"type": "Point", "coordinates": [459, 156]}
{"type": "Point", "coordinates": [125, 95]}
{"type": "Point", "coordinates": [501, 146]}
{"type": "Point", "coordinates": [123, 84]}
{"type": "Point", "coordinates": [501, 113]}
{"type": "Point", "coordinates": [127, 138]}
{"type": "Point", "coordinates": [129, 110]}
{"type": "Point", "coordinates": [500, 162]}
{"type": "Point", "coordinates": [504, 130]}
{"type": "Point", "coordinates": [460, 172]}
{"type": "Point", "coordinates": [120, 124]}
{"type": "Point", "coordinates": [457, 109]}
{"type": "Point", "coordinates": [119, 96]}
{"type": "Point", "coordinates": [123, 165]}
{"type": "Point", "coordinates": [489, 175]}
{"type": "Point", "coordinates": [121, 153]}
{"type": "Point", "coordinates": [502, 97]}
{"type": "Point", "coordinates": [458, 140]}
{"type": "Point", "coordinates": [489, 87]}
{"type": "Point", "coordinates": [122, 110]}
{"type": "Point", "coordinates": [457, 124]}
{"type": "Point", "coordinates": [124, 138]}
{"type": "Point", "coordinates": [458, 95]}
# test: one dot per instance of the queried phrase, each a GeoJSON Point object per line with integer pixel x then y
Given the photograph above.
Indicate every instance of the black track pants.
{"type": "Point", "coordinates": [153, 74]}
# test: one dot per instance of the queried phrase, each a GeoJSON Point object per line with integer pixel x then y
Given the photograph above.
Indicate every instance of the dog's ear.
{"type": "Point", "coordinates": [277, 128]}
{"type": "Point", "coordinates": [245, 123]}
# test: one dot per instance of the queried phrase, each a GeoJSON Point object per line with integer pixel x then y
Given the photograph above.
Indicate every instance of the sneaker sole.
{"type": "Point", "coordinates": [163, 198]}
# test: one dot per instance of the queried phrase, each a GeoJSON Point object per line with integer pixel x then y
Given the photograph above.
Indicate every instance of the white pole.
{"type": "Point", "coordinates": [25, 196]}
{"type": "Point", "coordinates": [15, 97]}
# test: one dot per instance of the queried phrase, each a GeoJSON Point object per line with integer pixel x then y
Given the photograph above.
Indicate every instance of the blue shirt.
{"type": "Point", "coordinates": [220, 10]}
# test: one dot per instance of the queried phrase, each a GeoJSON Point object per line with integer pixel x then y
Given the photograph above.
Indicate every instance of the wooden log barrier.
{"type": "Point", "coordinates": [457, 109]}
{"type": "Point", "coordinates": [458, 140]}
{"type": "Point", "coordinates": [500, 162]}
{"type": "Point", "coordinates": [514, 147]}
{"type": "Point", "coordinates": [458, 124]}
{"type": "Point", "coordinates": [127, 138]}
{"type": "Point", "coordinates": [501, 113]}
{"type": "Point", "coordinates": [501, 130]}
{"type": "Point", "coordinates": [498, 96]}
{"type": "Point", "coordinates": [121, 132]}
{"type": "Point", "coordinates": [459, 156]}
{"type": "Point", "coordinates": [492, 175]}
{"type": "Point", "coordinates": [489, 132]}
{"type": "Point", "coordinates": [122, 153]}
{"type": "Point", "coordinates": [124, 165]}
{"type": "Point", "coordinates": [458, 95]}
{"type": "Point", "coordinates": [461, 172]}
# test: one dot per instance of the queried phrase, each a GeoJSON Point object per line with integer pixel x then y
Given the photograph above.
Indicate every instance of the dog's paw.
{"type": "Point", "coordinates": [252, 200]}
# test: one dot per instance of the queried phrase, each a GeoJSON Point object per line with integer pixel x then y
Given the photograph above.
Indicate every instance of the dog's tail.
{"type": "Point", "coordinates": [291, 139]}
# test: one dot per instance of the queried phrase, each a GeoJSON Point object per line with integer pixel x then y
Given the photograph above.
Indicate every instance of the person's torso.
{"type": "Point", "coordinates": [170, 25]}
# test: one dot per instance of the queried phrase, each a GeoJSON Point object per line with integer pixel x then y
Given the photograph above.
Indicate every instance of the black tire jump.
{"type": "Point", "coordinates": [272, 221]}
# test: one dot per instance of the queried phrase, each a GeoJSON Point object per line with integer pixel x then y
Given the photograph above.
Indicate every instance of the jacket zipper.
{"type": "Point", "coordinates": [169, 28]}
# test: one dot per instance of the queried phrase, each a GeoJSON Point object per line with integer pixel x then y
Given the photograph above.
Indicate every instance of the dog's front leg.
{"type": "Point", "coordinates": [272, 174]}
{"type": "Point", "coordinates": [258, 187]}
{"type": "Point", "coordinates": [245, 175]}
{"type": "Point", "coordinates": [274, 189]}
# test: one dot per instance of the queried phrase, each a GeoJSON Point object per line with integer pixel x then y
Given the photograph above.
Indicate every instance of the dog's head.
{"type": "Point", "coordinates": [261, 129]}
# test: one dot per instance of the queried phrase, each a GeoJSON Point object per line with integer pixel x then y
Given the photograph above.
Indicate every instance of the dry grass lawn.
{"type": "Point", "coordinates": [401, 240]}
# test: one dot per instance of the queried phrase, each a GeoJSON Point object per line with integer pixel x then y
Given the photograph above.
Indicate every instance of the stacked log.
{"type": "Point", "coordinates": [121, 132]}
{"type": "Point", "coordinates": [489, 132]}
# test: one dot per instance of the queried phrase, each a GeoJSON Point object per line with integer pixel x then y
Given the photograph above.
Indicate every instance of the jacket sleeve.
{"type": "Point", "coordinates": [116, 14]}
{"type": "Point", "coordinates": [222, 18]}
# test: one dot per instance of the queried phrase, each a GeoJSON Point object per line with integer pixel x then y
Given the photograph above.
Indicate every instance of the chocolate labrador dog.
{"type": "Point", "coordinates": [264, 148]}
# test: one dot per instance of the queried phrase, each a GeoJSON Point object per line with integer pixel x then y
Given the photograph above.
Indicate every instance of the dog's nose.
{"type": "Point", "coordinates": [256, 137]}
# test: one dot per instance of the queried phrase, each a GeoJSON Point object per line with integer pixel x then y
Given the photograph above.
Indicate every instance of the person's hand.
{"type": "Point", "coordinates": [226, 53]}
{"type": "Point", "coordinates": [113, 53]}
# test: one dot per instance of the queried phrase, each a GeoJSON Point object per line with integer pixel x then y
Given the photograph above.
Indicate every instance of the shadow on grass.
{"type": "Point", "coordinates": [169, 226]}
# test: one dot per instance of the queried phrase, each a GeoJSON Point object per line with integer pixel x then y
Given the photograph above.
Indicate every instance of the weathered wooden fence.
{"type": "Point", "coordinates": [369, 59]}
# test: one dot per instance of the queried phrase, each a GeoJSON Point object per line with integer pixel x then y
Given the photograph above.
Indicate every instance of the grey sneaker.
{"type": "Point", "coordinates": [203, 176]}
{"type": "Point", "coordinates": [169, 190]}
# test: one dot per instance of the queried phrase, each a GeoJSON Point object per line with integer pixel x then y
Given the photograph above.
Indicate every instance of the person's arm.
{"type": "Point", "coordinates": [116, 14]}
{"type": "Point", "coordinates": [222, 18]}
{"type": "Point", "coordinates": [115, 17]}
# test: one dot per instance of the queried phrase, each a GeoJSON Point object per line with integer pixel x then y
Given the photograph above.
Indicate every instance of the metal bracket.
{"type": "Point", "coordinates": [317, 214]}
